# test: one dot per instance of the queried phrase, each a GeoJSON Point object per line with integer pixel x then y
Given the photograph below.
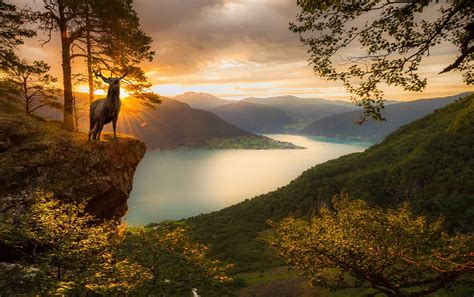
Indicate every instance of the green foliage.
{"type": "Point", "coordinates": [32, 82]}
{"type": "Point", "coordinates": [111, 26]}
{"type": "Point", "coordinates": [115, 40]}
{"type": "Point", "coordinates": [12, 30]}
{"type": "Point", "coordinates": [393, 36]}
{"type": "Point", "coordinates": [392, 251]}
{"type": "Point", "coordinates": [428, 163]}
{"type": "Point", "coordinates": [177, 265]}
{"type": "Point", "coordinates": [62, 250]}
{"type": "Point", "coordinates": [67, 252]}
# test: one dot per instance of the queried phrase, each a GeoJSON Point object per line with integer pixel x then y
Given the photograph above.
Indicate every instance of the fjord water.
{"type": "Point", "coordinates": [171, 185]}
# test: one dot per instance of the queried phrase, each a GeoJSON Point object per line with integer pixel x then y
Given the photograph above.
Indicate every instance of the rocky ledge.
{"type": "Point", "coordinates": [39, 155]}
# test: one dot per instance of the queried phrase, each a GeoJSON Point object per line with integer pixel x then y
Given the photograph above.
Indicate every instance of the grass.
{"type": "Point", "coordinates": [275, 274]}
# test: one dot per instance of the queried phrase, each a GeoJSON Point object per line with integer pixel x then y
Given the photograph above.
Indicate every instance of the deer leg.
{"type": "Point", "coordinates": [100, 131]}
{"type": "Point", "coordinates": [97, 129]}
{"type": "Point", "coordinates": [114, 124]}
{"type": "Point", "coordinates": [91, 128]}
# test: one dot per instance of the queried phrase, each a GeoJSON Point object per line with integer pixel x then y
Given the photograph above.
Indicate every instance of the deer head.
{"type": "Point", "coordinates": [112, 81]}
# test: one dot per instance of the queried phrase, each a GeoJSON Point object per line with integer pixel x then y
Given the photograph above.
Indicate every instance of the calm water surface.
{"type": "Point", "coordinates": [170, 185]}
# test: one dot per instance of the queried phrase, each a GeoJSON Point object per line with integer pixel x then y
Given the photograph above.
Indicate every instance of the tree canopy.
{"type": "Point", "coordinates": [113, 40]}
{"type": "Point", "coordinates": [388, 40]}
{"type": "Point", "coordinates": [391, 251]}
{"type": "Point", "coordinates": [31, 82]}
{"type": "Point", "coordinates": [62, 250]}
{"type": "Point", "coordinates": [111, 34]}
{"type": "Point", "coordinates": [12, 30]}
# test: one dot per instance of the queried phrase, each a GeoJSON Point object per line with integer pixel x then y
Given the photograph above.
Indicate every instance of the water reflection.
{"type": "Point", "coordinates": [177, 184]}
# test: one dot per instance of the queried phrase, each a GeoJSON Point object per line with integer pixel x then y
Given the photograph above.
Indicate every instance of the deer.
{"type": "Point", "coordinates": [104, 111]}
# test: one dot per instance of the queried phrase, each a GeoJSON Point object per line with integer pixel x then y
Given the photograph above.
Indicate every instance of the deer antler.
{"type": "Point", "coordinates": [98, 73]}
{"type": "Point", "coordinates": [125, 74]}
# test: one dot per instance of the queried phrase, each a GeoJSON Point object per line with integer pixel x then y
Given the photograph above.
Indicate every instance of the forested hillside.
{"type": "Point", "coordinates": [429, 163]}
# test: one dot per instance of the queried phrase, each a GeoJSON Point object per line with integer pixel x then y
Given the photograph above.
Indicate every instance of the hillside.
{"type": "Point", "coordinates": [254, 117]}
{"type": "Point", "coordinates": [429, 162]}
{"type": "Point", "coordinates": [397, 114]}
{"type": "Point", "coordinates": [201, 100]}
{"type": "Point", "coordinates": [174, 124]}
{"type": "Point", "coordinates": [303, 111]}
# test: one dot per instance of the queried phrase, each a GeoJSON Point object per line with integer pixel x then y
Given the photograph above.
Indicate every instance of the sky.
{"type": "Point", "coordinates": [238, 48]}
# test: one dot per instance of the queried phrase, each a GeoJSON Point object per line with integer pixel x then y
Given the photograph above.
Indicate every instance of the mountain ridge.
{"type": "Point", "coordinates": [203, 101]}
{"type": "Point", "coordinates": [254, 117]}
{"type": "Point", "coordinates": [174, 124]}
{"type": "Point", "coordinates": [397, 114]}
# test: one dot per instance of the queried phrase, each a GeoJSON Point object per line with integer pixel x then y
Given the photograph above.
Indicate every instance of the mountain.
{"type": "Point", "coordinates": [254, 117]}
{"type": "Point", "coordinates": [397, 114]}
{"type": "Point", "coordinates": [174, 124]}
{"type": "Point", "coordinates": [428, 163]}
{"type": "Point", "coordinates": [303, 111]}
{"type": "Point", "coordinates": [201, 100]}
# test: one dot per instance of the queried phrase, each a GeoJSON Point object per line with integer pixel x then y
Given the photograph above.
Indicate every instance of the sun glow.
{"type": "Point", "coordinates": [124, 94]}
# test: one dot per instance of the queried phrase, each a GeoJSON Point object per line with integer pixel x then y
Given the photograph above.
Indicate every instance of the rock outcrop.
{"type": "Point", "coordinates": [39, 155]}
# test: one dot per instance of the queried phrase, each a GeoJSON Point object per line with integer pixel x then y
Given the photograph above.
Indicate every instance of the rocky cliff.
{"type": "Point", "coordinates": [39, 155]}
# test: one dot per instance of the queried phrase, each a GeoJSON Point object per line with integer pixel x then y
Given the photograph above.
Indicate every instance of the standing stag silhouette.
{"type": "Point", "coordinates": [104, 111]}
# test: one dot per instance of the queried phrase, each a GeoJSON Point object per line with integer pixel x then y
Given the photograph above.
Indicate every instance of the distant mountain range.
{"type": "Point", "coordinates": [174, 124]}
{"type": "Point", "coordinates": [343, 125]}
{"type": "Point", "coordinates": [303, 111]}
{"type": "Point", "coordinates": [210, 121]}
{"type": "Point", "coordinates": [280, 114]}
{"type": "Point", "coordinates": [254, 117]}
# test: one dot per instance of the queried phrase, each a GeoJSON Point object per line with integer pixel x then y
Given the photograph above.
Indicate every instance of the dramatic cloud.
{"type": "Point", "coordinates": [239, 48]}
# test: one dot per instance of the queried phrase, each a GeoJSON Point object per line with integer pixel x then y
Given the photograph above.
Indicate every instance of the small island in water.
{"type": "Point", "coordinates": [256, 142]}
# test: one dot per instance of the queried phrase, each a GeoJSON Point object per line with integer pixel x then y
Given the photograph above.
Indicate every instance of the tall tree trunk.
{"type": "Point", "coordinates": [89, 57]}
{"type": "Point", "coordinates": [89, 69]}
{"type": "Point", "coordinates": [27, 100]}
{"type": "Point", "coordinates": [67, 72]}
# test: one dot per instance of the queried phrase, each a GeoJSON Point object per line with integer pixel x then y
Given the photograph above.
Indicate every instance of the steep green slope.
{"type": "Point", "coordinates": [429, 162]}
{"type": "Point", "coordinates": [342, 125]}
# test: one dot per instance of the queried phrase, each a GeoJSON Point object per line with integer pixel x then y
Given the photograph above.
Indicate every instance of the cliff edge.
{"type": "Point", "coordinates": [40, 155]}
